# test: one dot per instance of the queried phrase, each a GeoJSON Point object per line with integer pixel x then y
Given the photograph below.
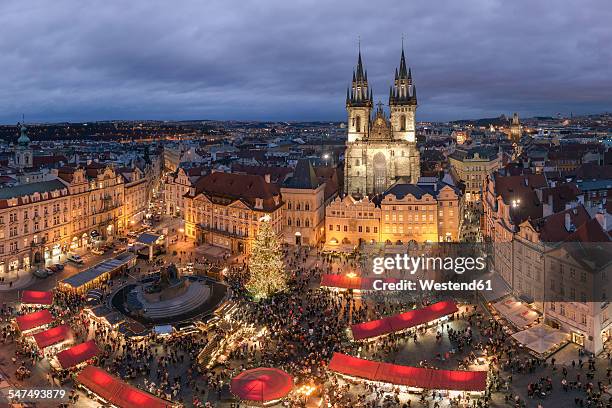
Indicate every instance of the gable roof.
{"type": "Point", "coordinates": [304, 176]}
{"type": "Point", "coordinates": [245, 187]}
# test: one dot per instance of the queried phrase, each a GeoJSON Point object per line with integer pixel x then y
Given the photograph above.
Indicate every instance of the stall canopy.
{"type": "Point", "coordinates": [403, 321]}
{"type": "Point", "coordinates": [34, 297]}
{"type": "Point", "coordinates": [351, 282]}
{"type": "Point", "coordinates": [34, 320]}
{"type": "Point", "coordinates": [516, 312]}
{"type": "Point", "coordinates": [78, 354]}
{"type": "Point", "coordinates": [261, 384]}
{"type": "Point", "coordinates": [416, 377]}
{"type": "Point", "coordinates": [106, 267]}
{"type": "Point", "coordinates": [52, 336]}
{"type": "Point", "coordinates": [117, 392]}
{"type": "Point", "coordinates": [541, 338]}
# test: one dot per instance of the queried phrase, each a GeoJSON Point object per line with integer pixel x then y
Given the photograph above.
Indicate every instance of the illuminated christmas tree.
{"type": "Point", "coordinates": [266, 266]}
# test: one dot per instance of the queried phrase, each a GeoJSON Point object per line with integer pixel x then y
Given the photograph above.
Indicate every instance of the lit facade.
{"type": "Point", "coordinates": [379, 151]}
{"type": "Point", "coordinates": [472, 167]}
{"type": "Point", "coordinates": [424, 212]}
{"type": "Point", "coordinates": [225, 209]}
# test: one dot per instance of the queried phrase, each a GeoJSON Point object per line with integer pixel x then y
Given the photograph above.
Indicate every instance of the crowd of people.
{"type": "Point", "coordinates": [305, 325]}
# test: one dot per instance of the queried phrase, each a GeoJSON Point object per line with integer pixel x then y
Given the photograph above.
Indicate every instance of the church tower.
{"type": "Point", "coordinates": [380, 150]}
{"type": "Point", "coordinates": [403, 103]}
{"type": "Point", "coordinates": [358, 104]}
{"type": "Point", "coordinates": [23, 153]}
{"type": "Point", "coordinates": [516, 130]}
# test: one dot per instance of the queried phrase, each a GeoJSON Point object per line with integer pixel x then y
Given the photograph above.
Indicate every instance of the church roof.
{"type": "Point", "coordinates": [23, 139]}
{"type": "Point", "coordinates": [304, 176]}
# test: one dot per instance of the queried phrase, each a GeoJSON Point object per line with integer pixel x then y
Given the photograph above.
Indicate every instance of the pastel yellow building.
{"type": "Point", "coordinates": [428, 211]}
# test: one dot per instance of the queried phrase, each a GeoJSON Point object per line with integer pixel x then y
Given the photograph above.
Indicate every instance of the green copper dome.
{"type": "Point", "coordinates": [23, 140]}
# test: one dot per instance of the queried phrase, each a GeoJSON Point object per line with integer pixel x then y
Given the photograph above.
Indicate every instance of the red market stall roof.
{"type": "Point", "coordinates": [78, 354]}
{"type": "Point", "coordinates": [34, 320]}
{"type": "Point", "coordinates": [34, 297]}
{"type": "Point", "coordinates": [261, 384]}
{"type": "Point", "coordinates": [52, 336]}
{"type": "Point", "coordinates": [117, 392]}
{"type": "Point", "coordinates": [351, 282]}
{"type": "Point", "coordinates": [417, 377]}
{"type": "Point", "coordinates": [403, 321]}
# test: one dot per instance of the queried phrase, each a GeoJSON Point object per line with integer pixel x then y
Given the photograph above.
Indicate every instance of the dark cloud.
{"type": "Point", "coordinates": [82, 61]}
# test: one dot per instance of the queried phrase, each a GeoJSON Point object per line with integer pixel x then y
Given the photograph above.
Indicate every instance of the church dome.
{"type": "Point", "coordinates": [23, 140]}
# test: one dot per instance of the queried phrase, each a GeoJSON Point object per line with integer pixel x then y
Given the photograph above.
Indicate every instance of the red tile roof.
{"type": "Point", "coordinates": [248, 188]}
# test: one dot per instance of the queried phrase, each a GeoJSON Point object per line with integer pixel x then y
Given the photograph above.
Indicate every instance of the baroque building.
{"type": "Point", "coordinates": [382, 149]}
{"type": "Point", "coordinates": [429, 211]}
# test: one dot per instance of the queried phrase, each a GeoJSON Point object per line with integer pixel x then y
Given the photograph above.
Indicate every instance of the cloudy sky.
{"type": "Point", "coordinates": [74, 60]}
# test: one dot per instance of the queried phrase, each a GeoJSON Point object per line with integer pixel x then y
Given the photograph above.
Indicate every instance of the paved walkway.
{"type": "Point", "coordinates": [25, 280]}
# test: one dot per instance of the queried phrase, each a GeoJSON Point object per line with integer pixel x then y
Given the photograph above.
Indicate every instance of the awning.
{"type": "Point", "coordinates": [117, 392]}
{"type": "Point", "coordinates": [53, 336]}
{"type": "Point", "coordinates": [34, 297]}
{"type": "Point", "coordinates": [516, 312]}
{"type": "Point", "coordinates": [34, 320]}
{"type": "Point", "coordinates": [351, 282]}
{"type": "Point", "coordinates": [417, 377]}
{"type": "Point", "coordinates": [403, 321]}
{"type": "Point", "coordinates": [163, 329]}
{"type": "Point", "coordinates": [78, 354]}
{"type": "Point", "coordinates": [261, 384]}
{"type": "Point", "coordinates": [541, 338]}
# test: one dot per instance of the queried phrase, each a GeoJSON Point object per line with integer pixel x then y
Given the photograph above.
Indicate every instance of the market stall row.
{"type": "Point", "coordinates": [403, 321]}
{"type": "Point", "coordinates": [414, 377]}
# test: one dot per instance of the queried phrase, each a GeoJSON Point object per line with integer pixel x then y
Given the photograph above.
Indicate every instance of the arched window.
{"type": "Point", "coordinates": [289, 205]}
{"type": "Point", "coordinates": [297, 222]}
{"type": "Point", "coordinates": [403, 122]}
{"type": "Point", "coordinates": [307, 207]}
{"type": "Point", "coordinates": [307, 222]}
{"type": "Point", "coordinates": [289, 221]}
{"type": "Point", "coordinates": [358, 124]}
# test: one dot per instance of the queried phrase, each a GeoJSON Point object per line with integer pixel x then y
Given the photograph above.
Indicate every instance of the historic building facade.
{"type": "Point", "coordinates": [380, 150]}
{"type": "Point", "coordinates": [546, 244]}
{"type": "Point", "coordinates": [304, 197]}
{"type": "Point", "coordinates": [429, 211]}
{"type": "Point", "coordinates": [472, 166]}
{"type": "Point", "coordinates": [225, 209]}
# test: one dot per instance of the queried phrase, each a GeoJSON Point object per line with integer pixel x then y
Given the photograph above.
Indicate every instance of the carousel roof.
{"type": "Point", "coordinates": [262, 384]}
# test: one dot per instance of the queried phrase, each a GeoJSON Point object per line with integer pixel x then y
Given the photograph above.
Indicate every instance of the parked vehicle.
{"type": "Point", "coordinates": [40, 273]}
{"type": "Point", "coordinates": [53, 268]}
{"type": "Point", "coordinates": [97, 251]}
{"type": "Point", "coordinates": [75, 258]}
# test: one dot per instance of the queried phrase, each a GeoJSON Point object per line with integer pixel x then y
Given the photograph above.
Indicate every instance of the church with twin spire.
{"type": "Point", "coordinates": [380, 149]}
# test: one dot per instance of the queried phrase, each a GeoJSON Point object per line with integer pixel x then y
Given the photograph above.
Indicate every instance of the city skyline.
{"type": "Point", "coordinates": [141, 62]}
